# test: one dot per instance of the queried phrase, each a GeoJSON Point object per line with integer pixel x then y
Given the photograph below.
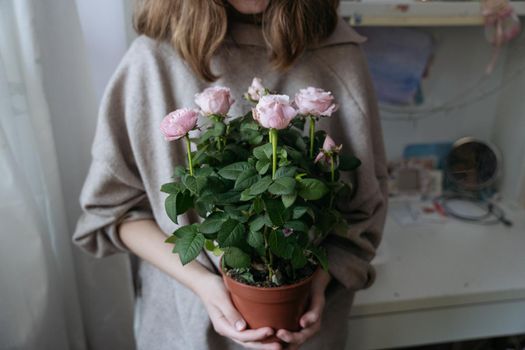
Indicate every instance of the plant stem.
{"type": "Point", "coordinates": [273, 139]}
{"type": "Point", "coordinates": [188, 150]}
{"type": "Point", "coordinates": [332, 168]}
{"type": "Point", "coordinates": [269, 254]}
{"type": "Point", "coordinates": [312, 134]}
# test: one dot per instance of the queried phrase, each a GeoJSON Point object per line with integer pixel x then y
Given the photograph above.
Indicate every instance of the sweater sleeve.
{"type": "Point", "coordinates": [113, 191]}
{"type": "Point", "coordinates": [350, 253]}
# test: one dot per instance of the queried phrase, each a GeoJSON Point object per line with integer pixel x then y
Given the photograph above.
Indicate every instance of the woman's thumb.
{"type": "Point", "coordinates": [234, 317]}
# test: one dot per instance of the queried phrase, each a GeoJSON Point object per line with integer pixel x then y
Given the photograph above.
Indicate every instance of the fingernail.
{"type": "Point", "coordinates": [239, 325]}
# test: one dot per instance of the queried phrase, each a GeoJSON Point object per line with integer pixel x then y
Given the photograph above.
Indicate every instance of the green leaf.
{"type": "Point", "coordinates": [249, 126]}
{"type": "Point", "coordinates": [228, 197]}
{"type": "Point", "coordinates": [231, 233]}
{"type": "Point", "coordinates": [213, 223]}
{"type": "Point", "coordinates": [275, 210]}
{"type": "Point", "coordinates": [179, 171]}
{"type": "Point", "coordinates": [177, 204]}
{"type": "Point", "coordinates": [264, 151]}
{"type": "Point", "coordinates": [171, 187]}
{"type": "Point", "coordinates": [203, 172]}
{"type": "Point", "coordinates": [289, 199]}
{"type": "Point", "coordinates": [184, 231]}
{"type": "Point", "coordinates": [285, 171]}
{"type": "Point", "coordinates": [211, 247]}
{"type": "Point", "coordinates": [282, 185]}
{"type": "Point", "coordinates": [348, 163]}
{"type": "Point", "coordinates": [247, 178]}
{"type": "Point", "coordinates": [205, 203]}
{"type": "Point", "coordinates": [258, 205]}
{"type": "Point", "coordinates": [171, 239]}
{"type": "Point", "coordinates": [297, 212]}
{"type": "Point", "coordinates": [184, 202]}
{"type": "Point", "coordinates": [256, 241]}
{"type": "Point", "coordinates": [326, 221]}
{"type": "Point", "coordinates": [257, 223]}
{"type": "Point", "coordinates": [170, 205]}
{"type": "Point", "coordinates": [255, 139]}
{"type": "Point", "coordinates": [246, 195]}
{"type": "Point", "coordinates": [237, 212]}
{"type": "Point", "coordinates": [189, 245]}
{"type": "Point", "coordinates": [279, 245]}
{"type": "Point", "coordinates": [200, 156]}
{"type": "Point", "coordinates": [218, 129]}
{"type": "Point", "coordinates": [261, 185]}
{"type": "Point", "coordinates": [214, 184]}
{"type": "Point", "coordinates": [298, 258]}
{"type": "Point", "coordinates": [263, 165]}
{"type": "Point", "coordinates": [297, 226]}
{"type": "Point", "coordinates": [247, 276]}
{"type": "Point", "coordinates": [194, 184]}
{"type": "Point", "coordinates": [298, 123]}
{"type": "Point", "coordinates": [294, 154]}
{"type": "Point", "coordinates": [236, 258]}
{"type": "Point", "coordinates": [320, 254]}
{"type": "Point", "coordinates": [232, 171]}
{"type": "Point", "coordinates": [312, 189]}
{"type": "Point", "coordinates": [239, 151]}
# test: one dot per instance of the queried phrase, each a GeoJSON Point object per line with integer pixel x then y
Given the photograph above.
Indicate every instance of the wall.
{"type": "Point", "coordinates": [509, 131]}
{"type": "Point", "coordinates": [458, 68]}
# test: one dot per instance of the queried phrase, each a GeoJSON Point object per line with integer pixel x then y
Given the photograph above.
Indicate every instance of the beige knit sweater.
{"type": "Point", "coordinates": [131, 160]}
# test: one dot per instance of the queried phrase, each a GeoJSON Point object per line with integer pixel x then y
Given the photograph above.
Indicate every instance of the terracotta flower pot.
{"type": "Point", "coordinates": [278, 308]}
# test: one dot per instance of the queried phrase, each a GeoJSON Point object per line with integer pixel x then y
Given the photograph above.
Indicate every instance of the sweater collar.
{"type": "Point", "coordinates": [242, 33]}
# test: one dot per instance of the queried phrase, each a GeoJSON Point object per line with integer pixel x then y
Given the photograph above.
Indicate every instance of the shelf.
{"type": "Point", "coordinates": [416, 13]}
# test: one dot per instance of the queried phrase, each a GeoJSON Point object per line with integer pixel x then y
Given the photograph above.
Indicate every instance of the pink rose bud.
{"type": "Point", "coordinates": [287, 232]}
{"type": "Point", "coordinates": [329, 148]}
{"type": "Point", "coordinates": [214, 100]}
{"type": "Point", "coordinates": [274, 111]}
{"type": "Point", "coordinates": [256, 90]}
{"type": "Point", "coordinates": [316, 102]}
{"type": "Point", "coordinates": [178, 123]}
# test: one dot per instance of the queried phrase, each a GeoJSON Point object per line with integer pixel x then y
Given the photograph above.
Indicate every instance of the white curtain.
{"type": "Point", "coordinates": [39, 305]}
{"type": "Point", "coordinates": [52, 296]}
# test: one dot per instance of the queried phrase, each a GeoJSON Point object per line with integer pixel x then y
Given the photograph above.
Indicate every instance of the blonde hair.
{"type": "Point", "coordinates": [197, 28]}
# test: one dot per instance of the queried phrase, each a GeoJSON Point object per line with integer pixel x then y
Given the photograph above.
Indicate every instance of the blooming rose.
{"type": "Point", "coordinates": [316, 102]}
{"type": "Point", "coordinates": [329, 149]}
{"type": "Point", "coordinates": [274, 111]}
{"type": "Point", "coordinates": [256, 90]}
{"type": "Point", "coordinates": [178, 123]}
{"type": "Point", "coordinates": [214, 100]}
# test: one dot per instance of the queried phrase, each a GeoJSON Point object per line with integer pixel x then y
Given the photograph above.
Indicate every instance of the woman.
{"type": "Point", "coordinates": [186, 45]}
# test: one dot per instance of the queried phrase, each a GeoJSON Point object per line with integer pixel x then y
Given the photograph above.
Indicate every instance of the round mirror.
{"type": "Point", "coordinates": [472, 164]}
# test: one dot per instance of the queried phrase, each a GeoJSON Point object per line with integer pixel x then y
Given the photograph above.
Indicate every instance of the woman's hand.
{"type": "Point", "coordinates": [311, 320]}
{"type": "Point", "coordinates": [226, 319]}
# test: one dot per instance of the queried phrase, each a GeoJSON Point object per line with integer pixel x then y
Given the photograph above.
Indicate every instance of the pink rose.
{"type": "Point", "coordinates": [328, 150]}
{"type": "Point", "coordinates": [274, 111]}
{"type": "Point", "coordinates": [214, 100]}
{"type": "Point", "coordinates": [256, 90]}
{"type": "Point", "coordinates": [178, 123]}
{"type": "Point", "coordinates": [316, 102]}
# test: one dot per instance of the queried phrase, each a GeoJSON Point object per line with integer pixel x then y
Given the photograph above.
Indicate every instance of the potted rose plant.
{"type": "Point", "coordinates": [267, 196]}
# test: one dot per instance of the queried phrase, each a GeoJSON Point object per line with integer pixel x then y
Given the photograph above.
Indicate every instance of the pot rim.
{"type": "Point", "coordinates": [286, 287]}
